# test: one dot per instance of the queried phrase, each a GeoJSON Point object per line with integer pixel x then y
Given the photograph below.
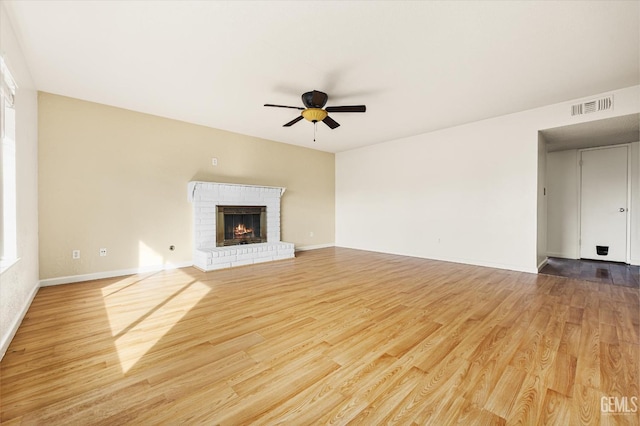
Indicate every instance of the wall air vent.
{"type": "Point", "coordinates": [595, 105]}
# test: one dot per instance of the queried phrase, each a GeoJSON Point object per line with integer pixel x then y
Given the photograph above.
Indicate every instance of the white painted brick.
{"type": "Point", "coordinates": [248, 256]}
{"type": "Point", "coordinates": [225, 259]}
{"type": "Point", "coordinates": [211, 194]}
{"type": "Point", "coordinates": [242, 263]}
{"type": "Point", "coordinates": [282, 257]}
{"type": "Point", "coordinates": [219, 266]}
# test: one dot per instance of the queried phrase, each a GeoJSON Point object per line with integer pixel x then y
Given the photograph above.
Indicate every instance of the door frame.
{"type": "Point", "coordinates": [628, 207]}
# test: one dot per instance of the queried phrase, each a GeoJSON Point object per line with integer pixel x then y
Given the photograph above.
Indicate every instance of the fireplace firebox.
{"type": "Point", "coordinates": [237, 225]}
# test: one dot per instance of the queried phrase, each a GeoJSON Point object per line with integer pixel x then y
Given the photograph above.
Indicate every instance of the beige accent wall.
{"type": "Point", "coordinates": [117, 179]}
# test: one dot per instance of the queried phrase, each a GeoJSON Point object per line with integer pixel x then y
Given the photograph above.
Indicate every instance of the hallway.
{"type": "Point", "coordinates": [593, 270]}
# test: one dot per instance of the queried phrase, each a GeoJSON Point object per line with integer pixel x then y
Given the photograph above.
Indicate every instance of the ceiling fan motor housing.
{"type": "Point", "coordinates": [314, 99]}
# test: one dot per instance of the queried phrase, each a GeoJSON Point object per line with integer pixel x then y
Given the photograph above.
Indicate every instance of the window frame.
{"type": "Point", "coordinates": [8, 161]}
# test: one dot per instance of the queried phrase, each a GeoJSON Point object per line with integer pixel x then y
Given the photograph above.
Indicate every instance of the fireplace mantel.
{"type": "Point", "coordinates": [195, 184]}
{"type": "Point", "coordinates": [206, 196]}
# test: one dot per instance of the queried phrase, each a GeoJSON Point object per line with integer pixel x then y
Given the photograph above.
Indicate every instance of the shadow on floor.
{"type": "Point", "coordinates": [594, 270]}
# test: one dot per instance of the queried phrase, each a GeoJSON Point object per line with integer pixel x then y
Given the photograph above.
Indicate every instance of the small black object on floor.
{"type": "Point", "coordinates": [594, 270]}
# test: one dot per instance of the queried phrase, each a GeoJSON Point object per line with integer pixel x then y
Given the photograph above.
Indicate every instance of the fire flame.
{"type": "Point", "coordinates": [242, 231]}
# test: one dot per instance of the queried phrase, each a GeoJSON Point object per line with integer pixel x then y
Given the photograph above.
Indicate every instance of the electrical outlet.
{"type": "Point", "coordinates": [103, 252]}
{"type": "Point", "coordinates": [214, 161]}
{"type": "Point", "coordinates": [311, 234]}
{"type": "Point", "coordinates": [75, 254]}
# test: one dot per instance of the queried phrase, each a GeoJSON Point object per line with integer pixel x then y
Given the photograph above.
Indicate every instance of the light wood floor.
{"type": "Point", "coordinates": [334, 336]}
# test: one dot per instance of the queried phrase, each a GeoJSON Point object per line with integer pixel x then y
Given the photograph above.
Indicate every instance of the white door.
{"type": "Point", "coordinates": [603, 204]}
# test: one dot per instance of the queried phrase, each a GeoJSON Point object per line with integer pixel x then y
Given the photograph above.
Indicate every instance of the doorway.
{"type": "Point", "coordinates": [560, 223]}
{"type": "Point", "coordinates": [604, 201]}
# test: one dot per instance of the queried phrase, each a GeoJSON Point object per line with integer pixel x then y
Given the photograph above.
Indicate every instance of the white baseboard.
{"type": "Point", "coordinates": [111, 274]}
{"type": "Point", "coordinates": [318, 246]}
{"type": "Point", "coordinates": [6, 339]}
{"type": "Point", "coordinates": [464, 261]}
{"type": "Point", "coordinates": [543, 264]}
{"type": "Point", "coordinates": [635, 262]}
{"type": "Point", "coordinates": [562, 255]}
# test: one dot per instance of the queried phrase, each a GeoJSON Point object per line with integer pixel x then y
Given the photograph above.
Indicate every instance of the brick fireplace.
{"type": "Point", "coordinates": [257, 240]}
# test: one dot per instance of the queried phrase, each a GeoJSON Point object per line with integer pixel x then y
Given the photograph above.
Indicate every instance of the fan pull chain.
{"type": "Point", "coordinates": [315, 127]}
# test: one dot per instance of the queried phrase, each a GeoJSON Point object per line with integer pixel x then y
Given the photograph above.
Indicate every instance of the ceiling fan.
{"type": "Point", "coordinates": [314, 103]}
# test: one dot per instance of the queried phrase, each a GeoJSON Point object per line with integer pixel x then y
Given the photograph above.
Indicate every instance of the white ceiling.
{"type": "Point", "coordinates": [418, 66]}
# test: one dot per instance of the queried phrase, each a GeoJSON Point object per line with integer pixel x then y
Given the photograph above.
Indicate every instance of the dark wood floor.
{"type": "Point", "coordinates": [594, 270]}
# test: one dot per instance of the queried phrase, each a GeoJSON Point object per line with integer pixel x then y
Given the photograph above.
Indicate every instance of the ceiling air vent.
{"type": "Point", "coordinates": [595, 105]}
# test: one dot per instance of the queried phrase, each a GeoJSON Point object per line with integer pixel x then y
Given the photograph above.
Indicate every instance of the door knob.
{"type": "Point", "coordinates": [622, 209]}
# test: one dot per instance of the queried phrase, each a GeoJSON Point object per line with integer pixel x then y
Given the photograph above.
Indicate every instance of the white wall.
{"type": "Point", "coordinates": [635, 203]}
{"type": "Point", "coordinates": [19, 283]}
{"type": "Point", "coordinates": [464, 194]}
{"type": "Point", "coordinates": [541, 247]}
{"type": "Point", "coordinates": [562, 204]}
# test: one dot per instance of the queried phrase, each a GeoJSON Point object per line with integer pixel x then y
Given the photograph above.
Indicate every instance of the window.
{"type": "Point", "coordinates": [8, 225]}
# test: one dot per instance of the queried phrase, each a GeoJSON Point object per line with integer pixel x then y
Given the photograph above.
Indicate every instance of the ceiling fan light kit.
{"type": "Point", "coordinates": [314, 103]}
{"type": "Point", "coordinates": [314, 114]}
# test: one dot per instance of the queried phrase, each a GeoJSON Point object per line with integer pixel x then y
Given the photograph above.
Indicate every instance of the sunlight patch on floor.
{"type": "Point", "coordinates": [163, 302]}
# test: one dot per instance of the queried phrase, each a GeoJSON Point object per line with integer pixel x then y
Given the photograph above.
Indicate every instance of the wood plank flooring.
{"type": "Point", "coordinates": [335, 336]}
